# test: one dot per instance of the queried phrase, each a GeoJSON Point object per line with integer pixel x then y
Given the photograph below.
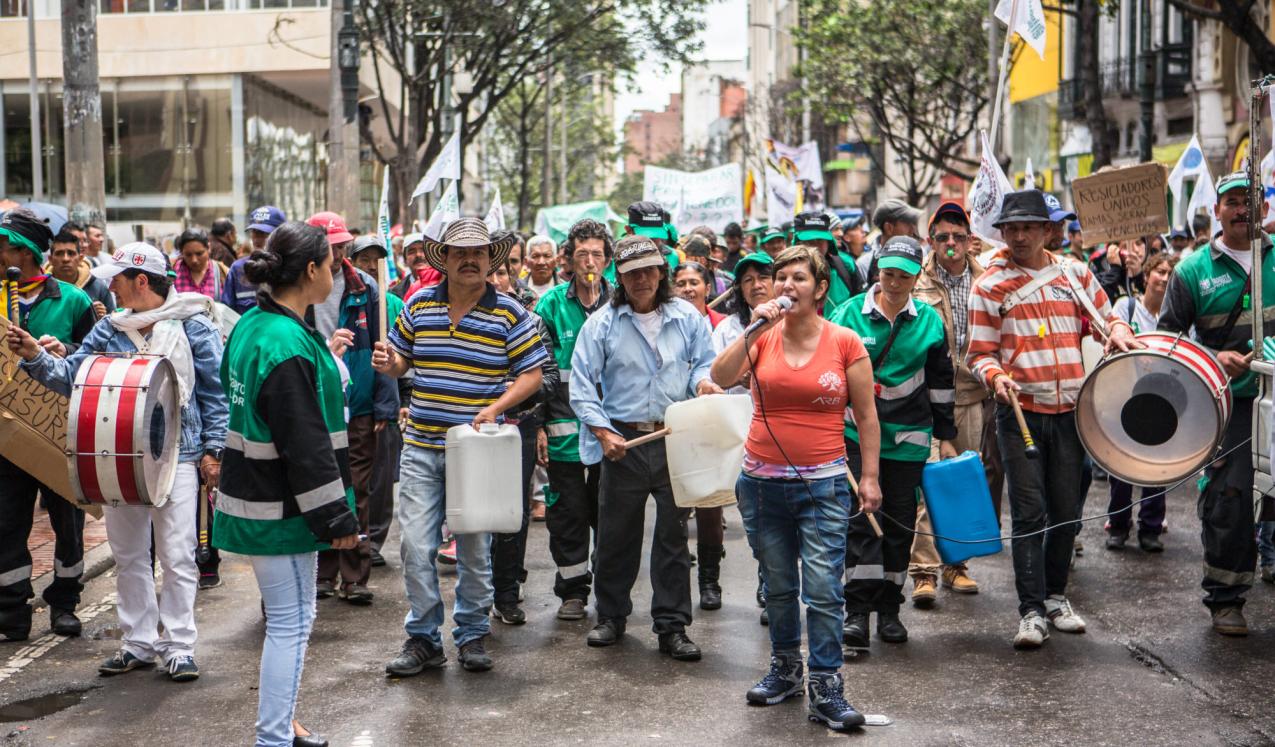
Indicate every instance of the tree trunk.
{"type": "Point", "coordinates": [524, 167]}
{"type": "Point", "coordinates": [1087, 12]}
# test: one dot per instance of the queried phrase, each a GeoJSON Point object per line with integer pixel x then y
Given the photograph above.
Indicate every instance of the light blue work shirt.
{"type": "Point", "coordinates": [638, 382]}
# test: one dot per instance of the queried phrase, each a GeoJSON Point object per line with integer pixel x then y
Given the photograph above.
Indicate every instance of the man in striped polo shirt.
{"type": "Point", "coordinates": [1025, 315]}
{"type": "Point", "coordinates": [474, 354]}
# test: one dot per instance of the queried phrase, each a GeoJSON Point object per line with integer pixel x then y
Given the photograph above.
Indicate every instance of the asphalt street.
{"type": "Point", "coordinates": [1149, 671]}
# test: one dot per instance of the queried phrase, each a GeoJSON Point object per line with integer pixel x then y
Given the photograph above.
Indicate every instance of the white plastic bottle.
{"type": "Point", "coordinates": [484, 479]}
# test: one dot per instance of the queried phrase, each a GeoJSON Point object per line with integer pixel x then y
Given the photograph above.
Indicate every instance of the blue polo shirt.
{"type": "Point", "coordinates": [458, 370]}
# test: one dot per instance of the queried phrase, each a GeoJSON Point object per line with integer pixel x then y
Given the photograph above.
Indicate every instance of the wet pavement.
{"type": "Point", "coordinates": [1149, 670]}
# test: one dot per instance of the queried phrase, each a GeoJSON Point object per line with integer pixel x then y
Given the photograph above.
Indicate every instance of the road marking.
{"type": "Point", "coordinates": [364, 739]}
{"type": "Point", "coordinates": [49, 641]}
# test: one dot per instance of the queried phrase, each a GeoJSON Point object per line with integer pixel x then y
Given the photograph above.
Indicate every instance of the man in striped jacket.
{"type": "Point", "coordinates": [1026, 313]}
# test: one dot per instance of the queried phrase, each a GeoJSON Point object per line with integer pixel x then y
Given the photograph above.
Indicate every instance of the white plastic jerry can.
{"type": "Point", "coordinates": [483, 470]}
{"type": "Point", "coordinates": [705, 448]}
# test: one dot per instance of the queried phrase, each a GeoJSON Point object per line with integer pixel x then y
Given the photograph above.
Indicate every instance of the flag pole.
{"type": "Point", "coordinates": [1004, 72]}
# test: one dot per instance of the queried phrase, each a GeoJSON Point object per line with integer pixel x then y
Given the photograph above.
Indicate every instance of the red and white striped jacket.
{"type": "Point", "coordinates": [1036, 341]}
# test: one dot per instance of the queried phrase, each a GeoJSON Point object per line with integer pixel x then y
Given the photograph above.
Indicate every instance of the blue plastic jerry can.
{"type": "Point", "coordinates": [960, 508]}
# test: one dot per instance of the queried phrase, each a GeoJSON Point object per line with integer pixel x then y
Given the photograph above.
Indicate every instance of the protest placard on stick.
{"type": "Point", "coordinates": [1122, 203]}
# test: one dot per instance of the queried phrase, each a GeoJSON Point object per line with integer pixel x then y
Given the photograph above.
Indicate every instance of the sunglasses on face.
{"type": "Point", "coordinates": [943, 238]}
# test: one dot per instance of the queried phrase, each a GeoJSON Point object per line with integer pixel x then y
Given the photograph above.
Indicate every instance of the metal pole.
{"type": "Point", "coordinates": [37, 146]}
{"type": "Point", "coordinates": [562, 151]}
{"type": "Point", "coordinates": [546, 195]}
{"type": "Point", "coordinates": [1147, 89]}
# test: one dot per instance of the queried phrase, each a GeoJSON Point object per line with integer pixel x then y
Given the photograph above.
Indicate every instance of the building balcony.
{"type": "Point", "coordinates": [1122, 79]}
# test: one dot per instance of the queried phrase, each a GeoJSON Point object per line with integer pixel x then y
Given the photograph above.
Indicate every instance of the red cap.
{"type": "Point", "coordinates": [950, 207]}
{"type": "Point", "coordinates": [334, 225]}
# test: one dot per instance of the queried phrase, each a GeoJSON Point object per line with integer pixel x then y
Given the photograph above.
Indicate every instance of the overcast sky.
{"type": "Point", "coordinates": [725, 37]}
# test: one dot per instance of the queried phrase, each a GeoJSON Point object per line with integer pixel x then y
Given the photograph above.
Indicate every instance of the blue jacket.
{"type": "Point", "coordinates": [204, 417]}
{"type": "Point", "coordinates": [238, 293]}
{"type": "Point", "coordinates": [369, 393]}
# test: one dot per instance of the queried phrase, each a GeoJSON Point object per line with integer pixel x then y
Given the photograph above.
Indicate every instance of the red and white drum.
{"type": "Point", "coordinates": [1154, 416]}
{"type": "Point", "coordinates": [124, 430]}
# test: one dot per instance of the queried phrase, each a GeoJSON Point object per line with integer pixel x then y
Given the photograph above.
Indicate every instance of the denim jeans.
{"type": "Point", "coordinates": [793, 522]}
{"type": "Point", "coordinates": [287, 590]}
{"type": "Point", "coordinates": [421, 510]}
{"type": "Point", "coordinates": [1266, 543]}
{"type": "Point", "coordinates": [1045, 491]}
{"type": "Point", "coordinates": [1150, 511]}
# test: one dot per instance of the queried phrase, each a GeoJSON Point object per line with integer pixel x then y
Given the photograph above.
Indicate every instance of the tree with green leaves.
{"type": "Point", "coordinates": [910, 74]}
{"type": "Point", "coordinates": [498, 46]}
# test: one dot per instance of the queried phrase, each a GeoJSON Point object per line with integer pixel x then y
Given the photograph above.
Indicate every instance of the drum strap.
{"type": "Point", "coordinates": [1027, 291]}
{"type": "Point", "coordinates": [1083, 298]}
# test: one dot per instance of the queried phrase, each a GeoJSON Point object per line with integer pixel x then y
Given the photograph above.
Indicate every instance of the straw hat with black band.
{"type": "Point", "coordinates": [467, 233]}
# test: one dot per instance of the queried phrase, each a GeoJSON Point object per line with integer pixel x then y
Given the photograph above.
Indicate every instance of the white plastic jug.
{"type": "Point", "coordinates": [705, 448]}
{"type": "Point", "coordinates": [484, 479]}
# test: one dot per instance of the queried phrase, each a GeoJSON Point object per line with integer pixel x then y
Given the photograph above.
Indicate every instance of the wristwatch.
{"type": "Point", "coordinates": [214, 453]}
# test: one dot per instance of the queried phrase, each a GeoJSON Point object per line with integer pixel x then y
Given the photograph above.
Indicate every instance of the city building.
{"type": "Point", "coordinates": [712, 90]}
{"type": "Point", "coordinates": [651, 136]}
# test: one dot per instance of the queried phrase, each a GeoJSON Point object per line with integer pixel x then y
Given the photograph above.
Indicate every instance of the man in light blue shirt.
{"type": "Point", "coordinates": [645, 350]}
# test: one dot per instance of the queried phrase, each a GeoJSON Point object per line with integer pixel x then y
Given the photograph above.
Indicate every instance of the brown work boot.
{"type": "Point", "coordinates": [1230, 621]}
{"type": "Point", "coordinates": [956, 578]}
{"type": "Point", "coordinates": [924, 590]}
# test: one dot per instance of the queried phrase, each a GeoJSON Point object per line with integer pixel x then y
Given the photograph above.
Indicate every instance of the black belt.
{"type": "Point", "coordinates": [644, 427]}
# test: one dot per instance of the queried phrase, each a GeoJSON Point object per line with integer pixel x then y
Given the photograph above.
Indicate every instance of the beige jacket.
{"type": "Point", "coordinates": [931, 290]}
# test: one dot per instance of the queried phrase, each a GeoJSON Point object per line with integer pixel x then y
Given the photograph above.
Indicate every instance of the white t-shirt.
{"type": "Point", "coordinates": [649, 325]}
{"type": "Point", "coordinates": [1141, 319]}
{"type": "Point", "coordinates": [540, 290]}
{"type": "Point", "coordinates": [1244, 258]}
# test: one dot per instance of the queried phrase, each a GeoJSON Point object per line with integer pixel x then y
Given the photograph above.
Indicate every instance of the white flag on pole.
{"type": "Point", "coordinates": [446, 211]}
{"type": "Point", "coordinates": [986, 195]}
{"type": "Point", "coordinates": [495, 219]}
{"type": "Point", "coordinates": [804, 159]}
{"type": "Point", "coordinates": [446, 166]}
{"type": "Point", "coordinates": [1029, 179]}
{"type": "Point", "coordinates": [1029, 22]}
{"type": "Point", "coordinates": [383, 221]}
{"type": "Point", "coordinates": [781, 198]}
{"type": "Point", "coordinates": [1203, 198]}
{"type": "Point", "coordinates": [1191, 165]}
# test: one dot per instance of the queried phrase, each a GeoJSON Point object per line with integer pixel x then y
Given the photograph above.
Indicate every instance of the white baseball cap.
{"type": "Point", "coordinates": [135, 256]}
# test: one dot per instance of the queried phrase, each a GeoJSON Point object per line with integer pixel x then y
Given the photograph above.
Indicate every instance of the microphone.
{"type": "Point", "coordinates": [784, 302]}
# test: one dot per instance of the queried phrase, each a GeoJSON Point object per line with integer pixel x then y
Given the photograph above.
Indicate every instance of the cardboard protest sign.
{"type": "Point", "coordinates": [1123, 203]}
{"type": "Point", "coordinates": [33, 426]}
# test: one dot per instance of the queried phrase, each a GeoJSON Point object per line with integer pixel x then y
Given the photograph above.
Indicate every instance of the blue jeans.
{"type": "Point", "coordinates": [287, 590]}
{"type": "Point", "coordinates": [1266, 543]}
{"type": "Point", "coordinates": [792, 522]}
{"type": "Point", "coordinates": [421, 510]}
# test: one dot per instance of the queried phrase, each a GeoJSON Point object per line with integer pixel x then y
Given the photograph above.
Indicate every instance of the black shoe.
{"type": "Point", "coordinates": [890, 629]}
{"type": "Point", "coordinates": [765, 618]}
{"type": "Point", "coordinates": [710, 570]}
{"type": "Point", "coordinates": [1116, 540]}
{"type": "Point", "coordinates": [855, 631]}
{"type": "Point", "coordinates": [509, 614]}
{"type": "Point", "coordinates": [605, 633]}
{"type": "Point", "coordinates": [785, 679]}
{"type": "Point", "coordinates": [678, 646]}
{"type": "Point", "coordinates": [377, 560]}
{"type": "Point", "coordinates": [309, 740]}
{"type": "Point", "coordinates": [761, 593]}
{"type": "Point", "coordinates": [572, 609]}
{"type": "Point", "coordinates": [209, 580]}
{"type": "Point", "coordinates": [417, 655]}
{"type": "Point", "coordinates": [710, 597]}
{"type": "Point", "coordinates": [356, 594]}
{"type": "Point", "coordinates": [15, 623]}
{"type": "Point", "coordinates": [183, 669]}
{"type": "Point", "coordinates": [827, 704]}
{"type": "Point", "coordinates": [474, 656]}
{"type": "Point", "coordinates": [324, 589]}
{"type": "Point", "coordinates": [64, 622]}
{"type": "Point", "coordinates": [1150, 542]}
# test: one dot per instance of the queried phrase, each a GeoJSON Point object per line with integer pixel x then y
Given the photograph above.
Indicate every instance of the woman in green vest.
{"type": "Point", "coordinates": [915, 398]}
{"type": "Point", "coordinates": [285, 491]}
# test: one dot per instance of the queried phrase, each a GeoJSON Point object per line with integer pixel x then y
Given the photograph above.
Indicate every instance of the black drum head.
{"type": "Point", "coordinates": [1149, 419]}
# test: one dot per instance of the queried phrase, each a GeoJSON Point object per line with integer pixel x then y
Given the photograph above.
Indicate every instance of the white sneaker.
{"type": "Point", "coordinates": [1033, 631]}
{"type": "Point", "coordinates": [1062, 616]}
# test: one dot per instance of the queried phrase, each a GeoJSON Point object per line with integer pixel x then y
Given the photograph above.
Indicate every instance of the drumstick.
{"type": "Point", "coordinates": [872, 520]}
{"type": "Point", "coordinates": [648, 438]}
{"type": "Point", "coordinates": [11, 277]}
{"type": "Point", "coordinates": [720, 299]}
{"type": "Point", "coordinates": [1029, 446]}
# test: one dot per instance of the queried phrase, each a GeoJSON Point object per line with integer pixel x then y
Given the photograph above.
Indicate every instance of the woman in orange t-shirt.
{"type": "Point", "coordinates": [793, 493]}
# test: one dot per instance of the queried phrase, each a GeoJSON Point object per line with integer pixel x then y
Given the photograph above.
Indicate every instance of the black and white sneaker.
{"type": "Point", "coordinates": [182, 669]}
{"type": "Point", "coordinates": [828, 704]}
{"type": "Point", "coordinates": [417, 654]}
{"type": "Point", "coordinates": [122, 662]}
{"type": "Point", "coordinates": [784, 680]}
{"type": "Point", "coordinates": [509, 614]}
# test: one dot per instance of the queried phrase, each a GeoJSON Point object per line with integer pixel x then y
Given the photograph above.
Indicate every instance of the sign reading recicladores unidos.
{"type": "Point", "coordinates": [1122, 203]}
{"type": "Point", "coordinates": [33, 426]}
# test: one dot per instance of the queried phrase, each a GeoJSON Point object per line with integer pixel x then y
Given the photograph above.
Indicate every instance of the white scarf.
{"type": "Point", "coordinates": [168, 336]}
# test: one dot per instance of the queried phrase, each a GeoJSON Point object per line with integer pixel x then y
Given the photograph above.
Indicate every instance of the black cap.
{"type": "Point", "coordinates": [364, 243]}
{"type": "Point", "coordinates": [901, 253]}
{"type": "Point", "coordinates": [1025, 206]}
{"type": "Point", "coordinates": [647, 219]}
{"type": "Point", "coordinates": [24, 228]}
{"type": "Point", "coordinates": [813, 225]}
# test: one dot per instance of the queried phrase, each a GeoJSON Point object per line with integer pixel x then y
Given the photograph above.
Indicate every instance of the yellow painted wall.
{"type": "Point", "coordinates": [1031, 76]}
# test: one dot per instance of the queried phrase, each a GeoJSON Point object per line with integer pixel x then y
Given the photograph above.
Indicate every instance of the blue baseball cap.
{"type": "Point", "coordinates": [1056, 211]}
{"type": "Point", "coordinates": [266, 219]}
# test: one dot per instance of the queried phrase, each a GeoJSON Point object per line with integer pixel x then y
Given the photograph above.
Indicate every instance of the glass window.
{"type": "Point", "coordinates": [284, 155]}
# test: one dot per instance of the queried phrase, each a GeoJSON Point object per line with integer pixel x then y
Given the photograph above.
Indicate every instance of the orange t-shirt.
{"type": "Point", "coordinates": [804, 406]}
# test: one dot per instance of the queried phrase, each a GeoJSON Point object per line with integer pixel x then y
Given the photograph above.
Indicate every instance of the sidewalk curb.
{"type": "Point", "coordinates": [97, 561]}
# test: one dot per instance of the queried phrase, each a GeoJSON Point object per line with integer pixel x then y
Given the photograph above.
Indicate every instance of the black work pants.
{"type": "Point", "coordinates": [18, 491]}
{"type": "Point", "coordinates": [625, 486]}
{"type": "Point", "coordinates": [1226, 512]}
{"type": "Point", "coordinates": [380, 502]}
{"type": "Point", "coordinates": [571, 515]}
{"type": "Point", "coordinates": [876, 567]}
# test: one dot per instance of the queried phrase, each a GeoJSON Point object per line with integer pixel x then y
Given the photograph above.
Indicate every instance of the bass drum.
{"type": "Point", "coordinates": [124, 430]}
{"type": "Point", "coordinates": [1155, 416]}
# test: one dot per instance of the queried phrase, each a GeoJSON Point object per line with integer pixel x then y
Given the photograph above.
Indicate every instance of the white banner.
{"type": "Point", "coordinates": [1029, 22]}
{"type": "Point", "coordinates": [495, 219]}
{"type": "Point", "coordinates": [804, 158]}
{"type": "Point", "coordinates": [446, 211]}
{"type": "Point", "coordinates": [710, 198]}
{"type": "Point", "coordinates": [445, 166]}
{"type": "Point", "coordinates": [781, 198]}
{"type": "Point", "coordinates": [986, 194]}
